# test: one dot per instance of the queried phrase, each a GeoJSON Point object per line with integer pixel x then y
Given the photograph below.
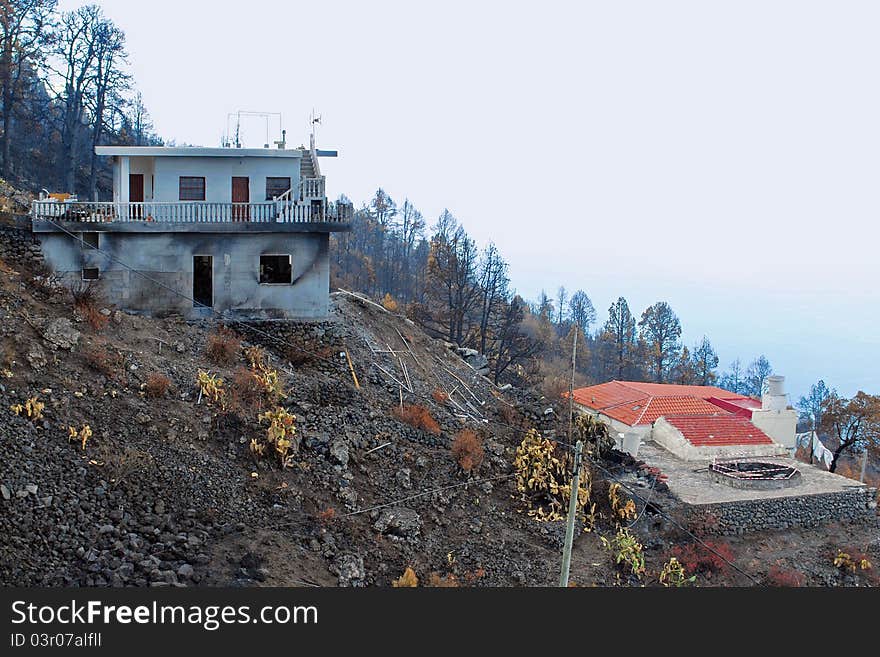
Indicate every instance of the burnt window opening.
{"type": "Point", "coordinates": [276, 186]}
{"type": "Point", "coordinates": [203, 281]}
{"type": "Point", "coordinates": [275, 270]}
{"type": "Point", "coordinates": [91, 273]}
{"type": "Point", "coordinates": [90, 239]}
{"type": "Point", "coordinates": [192, 188]}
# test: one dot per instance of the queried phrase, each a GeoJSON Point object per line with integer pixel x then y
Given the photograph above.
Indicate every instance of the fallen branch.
{"type": "Point", "coordinates": [392, 377]}
{"type": "Point", "coordinates": [409, 348]}
{"type": "Point", "coordinates": [376, 449]}
{"type": "Point", "coordinates": [364, 300]}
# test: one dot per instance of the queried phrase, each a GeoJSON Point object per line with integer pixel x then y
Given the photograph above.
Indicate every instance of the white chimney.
{"type": "Point", "coordinates": [774, 417]}
{"type": "Point", "coordinates": [774, 397]}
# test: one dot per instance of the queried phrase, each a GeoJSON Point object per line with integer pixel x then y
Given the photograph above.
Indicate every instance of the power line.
{"type": "Point", "coordinates": [428, 492]}
{"type": "Point", "coordinates": [327, 360]}
{"type": "Point", "coordinates": [676, 523]}
{"type": "Point", "coordinates": [248, 326]}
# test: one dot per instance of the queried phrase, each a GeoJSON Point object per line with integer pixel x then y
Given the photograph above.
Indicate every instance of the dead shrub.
{"type": "Point", "coordinates": [389, 304]}
{"type": "Point", "coordinates": [85, 293]}
{"type": "Point", "coordinates": [467, 450]}
{"type": "Point", "coordinates": [707, 557]}
{"type": "Point", "coordinates": [123, 463]}
{"type": "Point", "coordinates": [510, 416]}
{"type": "Point", "coordinates": [102, 360]}
{"type": "Point", "coordinates": [786, 577]}
{"type": "Point", "coordinates": [553, 387]}
{"type": "Point", "coordinates": [87, 301]}
{"type": "Point", "coordinates": [222, 346]}
{"type": "Point", "coordinates": [440, 396]}
{"type": "Point", "coordinates": [307, 354]}
{"type": "Point", "coordinates": [157, 385]}
{"type": "Point", "coordinates": [407, 580]}
{"type": "Point", "coordinates": [448, 581]}
{"type": "Point", "coordinates": [326, 517]}
{"type": "Point", "coordinates": [246, 393]}
{"type": "Point", "coordinates": [418, 417]}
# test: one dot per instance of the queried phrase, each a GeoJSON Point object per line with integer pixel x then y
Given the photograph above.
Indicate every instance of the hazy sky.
{"type": "Point", "coordinates": [722, 156]}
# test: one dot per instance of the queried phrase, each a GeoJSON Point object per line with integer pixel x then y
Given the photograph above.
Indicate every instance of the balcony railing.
{"type": "Point", "coordinates": [311, 188]}
{"type": "Point", "coordinates": [192, 212]}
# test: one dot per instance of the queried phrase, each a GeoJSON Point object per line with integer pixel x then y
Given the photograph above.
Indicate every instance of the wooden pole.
{"type": "Point", "coordinates": [572, 514]}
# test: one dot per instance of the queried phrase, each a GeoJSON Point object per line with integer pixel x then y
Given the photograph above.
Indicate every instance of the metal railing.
{"type": "Point", "coordinates": [279, 210]}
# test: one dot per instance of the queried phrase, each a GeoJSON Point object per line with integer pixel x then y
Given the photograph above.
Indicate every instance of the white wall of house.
{"type": "Point", "coordinates": [162, 175]}
{"type": "Point", "coordinates": [618, 428]}
{"type": "Point", "coordinates": [780, 425]}
{"type": "Point", "coordinates": [670, 438]}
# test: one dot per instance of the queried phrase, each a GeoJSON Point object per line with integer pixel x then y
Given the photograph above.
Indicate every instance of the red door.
{"type": "Point", "coordinates": [136, 194]}
{"type": "Point", "coordinates": [241, 193]}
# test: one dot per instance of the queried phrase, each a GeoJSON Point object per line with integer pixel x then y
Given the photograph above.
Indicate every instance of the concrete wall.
{"type": "Point", "coordinates": [780, 425]}
{"type": "Point", "coordinates": [146, 166]}
{"type": "Point", "coordinates": [167, 258]}
{"type": "Point", "coordinates": [671, 439]}
{"type": "Point", "coordinates": [784, 512]}
{"type": "Point", "coordinates": [616, 427]}
{"type": "Point", "coordinates": [218, 173]}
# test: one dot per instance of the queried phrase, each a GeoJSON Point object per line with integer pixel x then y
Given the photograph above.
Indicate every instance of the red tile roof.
{"type": "Point", "coordinates": [718, 430]}
{"type": "Point", "coordinates": [743, 407]}
{"type": "Point", "coordinates": [673, 390]}
{"type": "Point", "coordinates": [648, 409]}
{"type": "Point", "coordinates": [635, 403]}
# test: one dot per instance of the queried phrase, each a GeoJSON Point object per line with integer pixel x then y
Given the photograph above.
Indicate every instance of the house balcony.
{"type": "Point", "coordinates": [279, 215]}
{"type": "Point", "coordinates": [312, 188]}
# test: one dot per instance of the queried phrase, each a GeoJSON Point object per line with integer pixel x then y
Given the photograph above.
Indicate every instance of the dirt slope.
{"type": "Point", "coordinates": [167, 491]}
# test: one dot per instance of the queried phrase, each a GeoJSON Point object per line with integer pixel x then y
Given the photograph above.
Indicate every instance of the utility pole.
{"type": "Point", "coordinates": [572, 514]}
{"type": "Point", "coordinates": [864, 465]}
{"type": "Point", "coordinates": [574, 348]}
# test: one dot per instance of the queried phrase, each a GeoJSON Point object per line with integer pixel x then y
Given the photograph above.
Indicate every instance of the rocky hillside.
{"type": "Point", "coordinates": [164, 486]}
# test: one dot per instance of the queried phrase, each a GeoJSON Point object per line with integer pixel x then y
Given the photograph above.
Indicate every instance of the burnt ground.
{"type": "Point", "coordinates": [166, 491]}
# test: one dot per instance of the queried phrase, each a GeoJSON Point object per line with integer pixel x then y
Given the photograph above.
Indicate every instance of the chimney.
{"type": "Point", "coordinates": [774, 397]}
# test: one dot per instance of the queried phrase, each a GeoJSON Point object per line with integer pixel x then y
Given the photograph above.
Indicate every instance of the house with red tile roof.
{"type": "Point", "coordinates": [694, 421]}
{"type": "Point", "coordinates": [703, 437]}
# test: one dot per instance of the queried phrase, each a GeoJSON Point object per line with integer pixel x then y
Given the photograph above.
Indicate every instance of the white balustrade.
{"type": "Point", "coordinates": [281, 209]}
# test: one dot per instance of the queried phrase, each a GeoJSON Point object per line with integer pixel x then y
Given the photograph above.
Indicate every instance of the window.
{"type": "Point", "coordinates": [90, 239]}
{"type": "Point", "coordinates": [276, 187]}
{"type": "Point", "coordinates": [275, 270]}
{"type": "Point", "coordinates": [90, 273]}
{"type": "Point", "coordinates": [192, 188]}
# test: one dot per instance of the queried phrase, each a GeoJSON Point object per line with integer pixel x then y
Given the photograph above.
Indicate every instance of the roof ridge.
{"type": "Point", "coordinates": [625, 384]}
{"type": "Point", "coordinates": [645, 409]}
{"type": "Point", "coordinates": [628, 402]}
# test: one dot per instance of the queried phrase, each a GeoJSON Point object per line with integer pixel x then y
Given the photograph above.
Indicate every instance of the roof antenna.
{"type": "Point", "coordinates": [314, 120]}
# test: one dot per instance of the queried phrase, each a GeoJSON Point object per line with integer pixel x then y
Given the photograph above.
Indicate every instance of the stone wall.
{"type": "Point", "coordinates": [784, 512]}
{"type": "Point", "coordinates": [18, 243]}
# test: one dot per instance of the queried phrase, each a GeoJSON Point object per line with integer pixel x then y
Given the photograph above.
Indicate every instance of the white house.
{"type": "Point", "coordinates": [199, 230]}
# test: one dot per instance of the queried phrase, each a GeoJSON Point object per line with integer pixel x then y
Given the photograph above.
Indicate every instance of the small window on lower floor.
{"type": "Point", "coordinates": [90, 239]}
{"type": "Point", "coordinates": [90, 273]}
{"type": "Point", "coordinates": [275, 269]}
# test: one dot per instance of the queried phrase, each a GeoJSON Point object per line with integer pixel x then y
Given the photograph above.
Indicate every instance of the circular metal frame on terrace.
{"type": "Point", "coordinates": [755, 474]}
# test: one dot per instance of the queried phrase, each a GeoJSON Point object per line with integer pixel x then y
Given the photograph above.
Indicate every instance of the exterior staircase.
{"type": "Point", "coordinates": [306, 166]}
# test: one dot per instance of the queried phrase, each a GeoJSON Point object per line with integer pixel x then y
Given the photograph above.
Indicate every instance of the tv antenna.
{"type": "Point", "coordinates": [269, 118]}
{"type": "Point", "coordinates": [314, 120]}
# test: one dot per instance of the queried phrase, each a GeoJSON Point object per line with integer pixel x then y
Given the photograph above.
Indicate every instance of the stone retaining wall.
{"type": "Point", "coordinates": [785, 512]}
{"type": "Point", "coordinates": [18, 243]}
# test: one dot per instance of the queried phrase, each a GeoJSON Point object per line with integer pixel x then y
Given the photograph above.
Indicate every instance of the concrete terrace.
{"type": "Point", "coordinates": [690, 482]}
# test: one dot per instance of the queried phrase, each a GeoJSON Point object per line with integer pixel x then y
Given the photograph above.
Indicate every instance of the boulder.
{"type": "Point", "coordinates": [399, 521]}
{"type": "Point", "coordinates": [349, 568]}
{"type": "Point", "coordinates": [339, 452]}
{"type": "Point", "coordinates": [60, 334]}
